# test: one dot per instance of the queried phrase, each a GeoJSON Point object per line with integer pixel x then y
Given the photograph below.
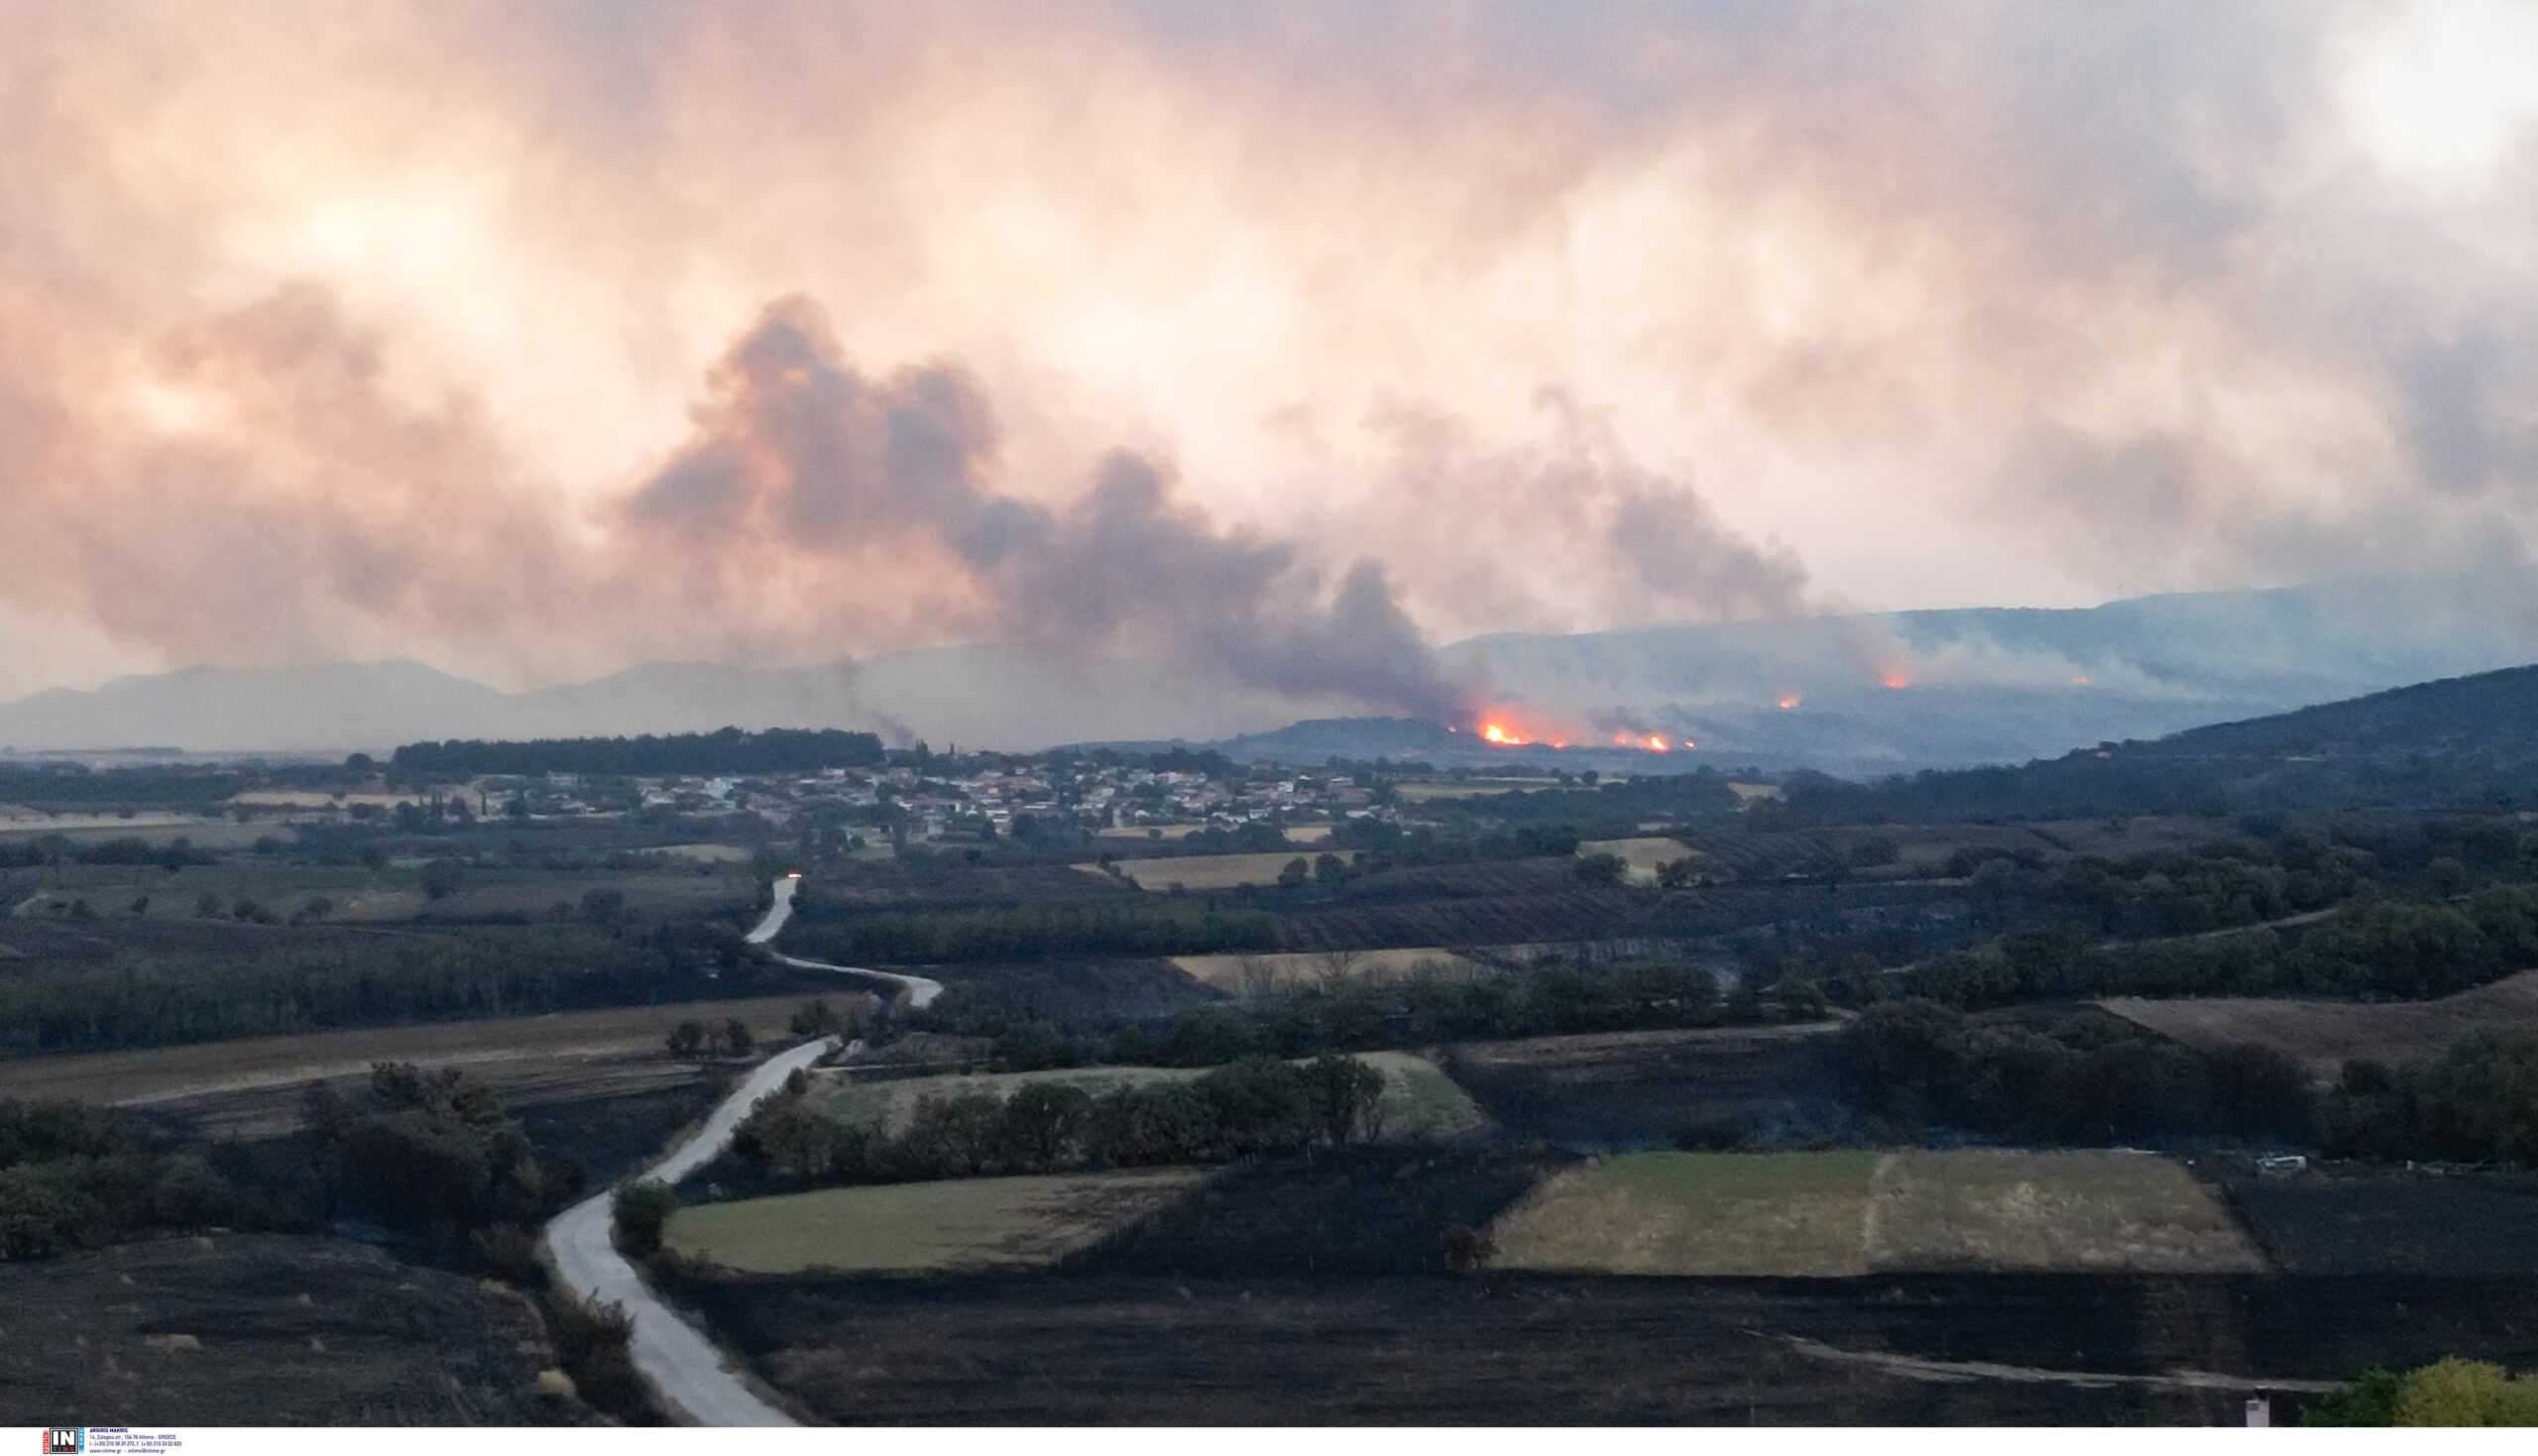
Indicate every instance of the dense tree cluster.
{"type": "Point", "coordinates": [43, 850]}
{"type": "Point", "coordinates": [1365, 1014]}
{"type": "Point", "coordinates": [135, 999]}
{"type": "Point", "coordinates": [2383, 949]}
{"type": "Point", "coordinates": [2477, 1102]}
{"type": "Point", "coordinates": [725, 751]}
{"type": "Point", "coordinates": [75, 786]}
{"type": "Point", "coordinates": [2447, 1393]}
{"type": "Point", "coordinates": [75, 1176]}
{"type": "Point", "coordinates": [429, 1149]}
{"type": "Point", "coordinates": [1021, 932]}
{"type": "Point", "coordinates": [2086, 1079]}
{"type": "Point", "coordinates": [1255, 1105]}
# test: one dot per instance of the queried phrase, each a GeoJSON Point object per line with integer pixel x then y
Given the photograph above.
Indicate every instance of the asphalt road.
{"type": "Point", "coordinates": [683, 1367]}
{"type": "Point", "coordinates": [920, 991]}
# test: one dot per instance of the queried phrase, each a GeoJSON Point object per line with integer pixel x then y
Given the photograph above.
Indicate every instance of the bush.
{"type": "Point", "coordinates": [1467, 1250]}
{"type": "Point", "coordinates": [442, 877]}
{"type": "Point", "coordinates": [642, 1209]}
{"type": "Point", "coordinates": [511, 1252]}
{"type": "Point", "coordinates": [591, 1342]}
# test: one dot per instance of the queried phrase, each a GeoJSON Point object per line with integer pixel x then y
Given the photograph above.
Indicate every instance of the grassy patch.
{"type": "Point", "coordinates": [1696, 1213]}
{"type": "Point", "coordinates": [167, 1073]}
{"type": "Point", "coordinates": [906, 1228]}
{"type": "Point", "coordinates": [1857, 1212]}
{"type": "Point", "coordinates": [1981, 1208]}
{"type": "Point", "coordinates": [1210, 872]}
{"type": "Point", "coordinates": [1265, 971]}
{"type": "Point", "coordinates": [2323, 1034]}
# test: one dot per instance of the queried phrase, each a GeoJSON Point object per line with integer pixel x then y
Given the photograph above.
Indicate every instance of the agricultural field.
{"type": "Point", "coordinates": [501, 1053]}
{"type": "Point", "coordinates": [1767, 1082]}
{"type": "Point", "coordinates": [1428, 791]}
{"type": "Point", "coordinates": [1419, 1102]}
{"type": "Point", "coordinates": [156, 826]}
{"type": "Point", "coordinates": [2323, 1034]}
{"type": "Point", "coordinates": [1262, 1346]}
{"type": "Point", "coordinates": [708, 853]}
{"type": "Point", "coordinates": [1742, 1214]}
{"type": "Point", "coordinates": [1641, 858]}
{"type": "Point", "coordinates": [1923, 850]}
{"type": "Point", "coordinates": [1206, 871]}
{"type": "Point", "coordinates": [311, 799]}
{"type": "Point", "coordinates": [125, 891]}
{"type": "Point", "coordinates": [267, 1330]}
{"type": "Point", "coordinates": [1489, 905]}
{"type": "Point", "coordinates": [1267, 971]}
{"type": "Point", "coordinates": [2391, 1222]}
{"type": "Point", "coordinates": [1855, 1213]}
{"type": "Point", "coordinates": [536, 894]}
{"type": "Point", "coordinates": [1982, 1208]}
{"type": "Point", "coordinates": [905, 1228]}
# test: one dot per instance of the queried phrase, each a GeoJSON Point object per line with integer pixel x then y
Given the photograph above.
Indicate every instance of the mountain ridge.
{"type": "Point", "coordinates": [1865, 693]}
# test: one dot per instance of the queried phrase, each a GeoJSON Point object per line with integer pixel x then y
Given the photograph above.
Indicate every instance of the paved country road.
{"type": "Point", "coordinates": [682, 1366]}
{"type": "Point", "coordinates": [921, 991]}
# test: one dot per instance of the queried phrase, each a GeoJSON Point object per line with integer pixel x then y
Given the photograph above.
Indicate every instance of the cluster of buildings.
{"type": "Point", "coordinates": [911, 804]}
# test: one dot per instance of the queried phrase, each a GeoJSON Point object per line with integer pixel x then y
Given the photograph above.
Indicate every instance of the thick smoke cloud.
{"type": "Point", "coordinates": [358, 331]}
{"type": "Point", "coordinates": [796, 452]}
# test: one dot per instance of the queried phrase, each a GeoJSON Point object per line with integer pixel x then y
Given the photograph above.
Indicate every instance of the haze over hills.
{"type": "Point", "coordinates": [1855, 695]}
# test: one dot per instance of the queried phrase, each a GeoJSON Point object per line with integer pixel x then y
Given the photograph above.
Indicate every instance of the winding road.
{"type": "Point", "coordinates": [920, 991]}
{"type": "Point", "coordinates": [683, 1367]}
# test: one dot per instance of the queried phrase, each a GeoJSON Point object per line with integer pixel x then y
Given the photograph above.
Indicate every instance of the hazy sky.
{"type": "Point", "coordinates": [536, 339]}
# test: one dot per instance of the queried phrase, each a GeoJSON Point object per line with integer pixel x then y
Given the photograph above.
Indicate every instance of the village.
{"type": "Point", "coordinates": [1048, 798]}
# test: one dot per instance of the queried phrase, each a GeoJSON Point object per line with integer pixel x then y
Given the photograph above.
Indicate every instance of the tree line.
{"type": "Point", "coordinates": [1029, 930]}
{"type": "Point", "coordinates": [2407, 949]}
{"type": "Point", "coordinates": [2087, 1079]}
{"type": "Point", "coordinates": [727, 751]}
{"type": "Point", "coordinates": [136, 999]}
{"type": "Point", "coordinates": [1251, 1106]}
{"type": "Point", "coordinates": [1369, 1013]}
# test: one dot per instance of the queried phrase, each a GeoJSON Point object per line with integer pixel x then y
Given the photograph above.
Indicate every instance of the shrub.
{"type": "Point", "coordinates": [642, 1209]}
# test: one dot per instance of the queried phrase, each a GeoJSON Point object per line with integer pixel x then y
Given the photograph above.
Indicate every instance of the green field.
{"type": "Point", "coordinates": [1854, 1213]}
{"type": "Point", "coordinates": [1419, 1102]}
{"type": "Point", "coordinates": [1261, 972]}
{"type": "Point", "coordinates": [1210, 871]}
{"type": "Point", "coordinates": [907, 1228]}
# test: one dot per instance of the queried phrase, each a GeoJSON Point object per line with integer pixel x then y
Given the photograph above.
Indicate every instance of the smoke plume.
{"type": "Point", "coordinates": [797, 455]}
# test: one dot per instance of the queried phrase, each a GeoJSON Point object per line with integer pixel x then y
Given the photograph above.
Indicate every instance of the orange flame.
{"type": "Point", "coordinates": [1656, 743]}
{"type": "Point", "coordinates": [1496, 735]}
{"type": "Point", "coordinates": [1790, 702]}
{"type": "Point", "coordinates": [1689, 743]}
{"type": "Point", "coordinates": [1899, 679]}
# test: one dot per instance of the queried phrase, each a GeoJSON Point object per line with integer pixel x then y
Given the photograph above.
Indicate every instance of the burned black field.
{"type": "Point", "coordinates": [1648, 1088]}
{"type": "Point", "coordinates": [2064, 1350]}
{"type": "Point", "coordinates": [2392, 1223]}
{"type": "Point", "coordinates": [267, 1329]}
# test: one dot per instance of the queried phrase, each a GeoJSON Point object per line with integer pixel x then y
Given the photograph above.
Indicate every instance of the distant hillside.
{"type": "Point", "coordinates": [1860, 696]}
{"type": "Point", "coordinates": [2467, 743]}
{"type": "Point", "coordinates": [2486, 718]}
